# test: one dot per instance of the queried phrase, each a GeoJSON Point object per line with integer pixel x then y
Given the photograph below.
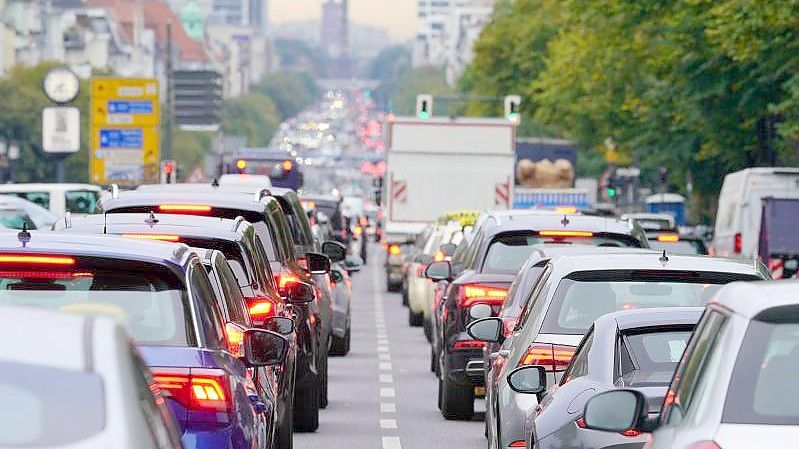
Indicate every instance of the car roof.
{"type": "Point", "coordinates": [29, 187]}
{"type": "Point", "coordinates": [750, 298]}
{"type": "Point", "coordinates": [498, 223]}
{"type": "Point", "coordinates": [93, 245]}
{"type": "Point", "coordinates": [66, 331]}
{"type": "Point", "coordinates": [222, 198]}
{"type": "Point", "coordinates": [650, 260]}
{"type": "Point", "coordinates": [641, 318]}
{"type": "Point", "coordinates": [184, 225]}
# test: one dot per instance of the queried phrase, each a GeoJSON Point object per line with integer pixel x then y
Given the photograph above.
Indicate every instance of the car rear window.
{"type": "Point", "coordinates": [764, 378]}
{"type": "Point", "coordinates": [585, 296]}
{"type": "Point", "coordinates": [147, 299]}
{"type": "Point", "coordinates": [40, 198]}
{"type": "Point", "coordinates": [649, 359]}
{"type": "Point", "coordinates": [47, 407]}
{"type": "Point", "coordinates": [81, 201]}
{"type": "Point", "coordinates": [507, 252]}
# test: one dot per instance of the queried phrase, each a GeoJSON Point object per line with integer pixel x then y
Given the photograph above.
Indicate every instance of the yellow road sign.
{"type": "Point", "coordinates": [125, 131]}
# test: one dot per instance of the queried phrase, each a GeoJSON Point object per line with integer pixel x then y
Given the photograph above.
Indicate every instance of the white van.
{"type": "Point", "coordinates": [57, 198]}
{"type": "Point", "coordinates": [740, 209]}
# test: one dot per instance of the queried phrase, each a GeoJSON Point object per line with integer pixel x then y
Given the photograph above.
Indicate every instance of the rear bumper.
{"type": "Point", "coordinates": [465, 367]}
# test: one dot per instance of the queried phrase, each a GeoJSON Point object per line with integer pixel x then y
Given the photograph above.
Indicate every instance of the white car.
{"type": "Point", "coordinates": [57, 198]}
{"type": "Point", "coordinates": [39, 216]}
{"type": "Point", "coordinates": [76, 381]}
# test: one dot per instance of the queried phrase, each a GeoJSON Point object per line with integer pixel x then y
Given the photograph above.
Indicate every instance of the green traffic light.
{"type": "Point", "coordinates": [611, 192]}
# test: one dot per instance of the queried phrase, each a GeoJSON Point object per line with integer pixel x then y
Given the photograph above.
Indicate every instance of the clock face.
{"type": "Point", "coordinates": [61, 85]}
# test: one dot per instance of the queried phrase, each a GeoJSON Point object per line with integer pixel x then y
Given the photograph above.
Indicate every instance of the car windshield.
{"type": "Point", "coordinates": [763, 388]}
{"type": "Point", "coordinates": [32, 411]}
{"type": "Point", "coordinates": [81, 201]}
{"type": "Point", "coordinates": [583, 297]}
{"type": "Point", "coordinates": [649, 359]}
{"type": "Point", "coordinates": [150, 303]}
{"type": "Point", "coordinates": [507, 252]}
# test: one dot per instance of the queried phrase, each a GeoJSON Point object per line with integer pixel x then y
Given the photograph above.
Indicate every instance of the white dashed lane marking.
{"type": "Point", "coordinates": [391, 443]}
{"type": "Point", "coordinates": [388, 423]}
{"type": "Point", "coordinates": [388, 407]}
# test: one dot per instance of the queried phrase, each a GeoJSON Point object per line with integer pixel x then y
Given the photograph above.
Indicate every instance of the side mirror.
{"type": "Point", "coordinates": [299, 293]}
{"type": "Point", "coordinates": [336, 276]}
{"type": "Point", "coordinates": [486, 329]}
{"type": "Point", "coordinates": [264, 348]}
{"type": "Point", "coordinates": [528, 379]}
{"type": "Point", "coordinates": [279, 324]}
{"type": "Point", "coordinates": [479, 311]}
{"type": "Point", "coordinates": [336, 251]}
{"type": "Point", "coordinates": [439, 271]}
{"type": "Point", "coordinates": [318, 263]}
{"type": "Point", "coordinates": [353, 264]}
{"type": "Point", "coordinates": [615, 411]}
{"type": "Point", "coordinates": [448, 249]}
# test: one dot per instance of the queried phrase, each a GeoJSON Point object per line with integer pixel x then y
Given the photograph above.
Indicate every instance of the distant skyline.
{"type": "Point", "coordinates": [398, 17]}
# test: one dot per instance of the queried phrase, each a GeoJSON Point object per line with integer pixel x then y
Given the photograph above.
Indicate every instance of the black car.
{"type": "Point", "coordinates": [272, 226]}
{"type": "Point", "coordinates": [500, 246]}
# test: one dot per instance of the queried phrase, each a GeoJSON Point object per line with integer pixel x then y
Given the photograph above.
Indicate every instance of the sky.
{"type": "Point", "coordinates": [398, 17]}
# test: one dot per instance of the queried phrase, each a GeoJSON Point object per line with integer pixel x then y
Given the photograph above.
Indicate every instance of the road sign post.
{"type": "Point", "coordinates": [125, 131]}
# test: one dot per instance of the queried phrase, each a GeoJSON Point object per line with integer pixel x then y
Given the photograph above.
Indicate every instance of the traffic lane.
{"type": "Point", "coordinates": [383, 395]}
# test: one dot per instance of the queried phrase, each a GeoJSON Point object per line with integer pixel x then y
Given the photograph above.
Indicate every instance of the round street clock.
{"type": "Point", "coordinates": [61, 85]}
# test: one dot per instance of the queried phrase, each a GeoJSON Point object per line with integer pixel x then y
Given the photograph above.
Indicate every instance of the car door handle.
{"type": "Point", "coordinates": [258, 404]}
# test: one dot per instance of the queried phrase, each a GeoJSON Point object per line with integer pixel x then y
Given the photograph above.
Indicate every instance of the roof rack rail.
{"type": "Point", "coordinates": [114, 191]}
{"type": "Point", "coordinates": [237, 221]}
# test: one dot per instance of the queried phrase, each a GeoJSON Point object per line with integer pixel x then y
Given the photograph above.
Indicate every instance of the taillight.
{"type": "Point", "coordinates": [738, 243]}
{"type": "Point", "coordinates": [669, 238]}
{"type": "Point", "coordinates": [394, 250]}
{"type": "Point", "coordinates": [469, 344]}
{"type": "Point", "coordinates": [630, 433]}
{"type": "Point", "coordinates": [554, 358]}
{"type": "Point", "coordinates": [235, 338]}
{"type": "Point", "coordinates": [30, 259]}
{"type": "Point", "coordinates": [261, 308]}
{"type": "Point", "coordinates": [161, 237]}
{"type": "Point", "coordinates": [704, 445]}
{"type": "Point", "coordinates": [518, 443]}
{"type": "Point", "coordinates": [197, 389]}
{"type": "Point", "coordinates": [580, 422]}
{"type": "Point", "coordinates": [439, 257]}
{"type": "Point", "coordinates": [583, 234]}
{"type": "Point", "coordinates": [185, 208]}
{"type": "Point", "coordinates": [471, 294]}
{"type": "Point", "coordinates": [358, 230]}
{"type": "Point", "coordinates": [45, 274]}
{"type": "Point", "coordinates": [284, 279]}
{"type": "Point", "coordinates": [287, 165]}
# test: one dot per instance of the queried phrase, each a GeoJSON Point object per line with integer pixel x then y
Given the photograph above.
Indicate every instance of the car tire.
{"type": "Point", "coordinates": [432, 360]}
{"type": "Point", "coordinates": [323, 400]}
{"type": "Point", "coordinates": [306, 410]}
{"type": "Point", "coordinates": [285, 432]}
{"type": "Point", "coordinates": [341, 345]}
{"type": "Point", "coordinates": [428, 331]}
{"type": "Point", "coordinates": [405, 297]}
{"type": "Point", "coordinates": [457, 401]}
{"type": "Point", "coordinates": [436, 364]}
{"type": "Point", "coordinates": [415, 319]}
{"type": "Point", "coordinates": [391, 287]}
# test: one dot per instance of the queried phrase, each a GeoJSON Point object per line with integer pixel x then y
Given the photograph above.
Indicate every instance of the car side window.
{"type": "Point", "coordinates": [232, 293]}
{"type": "Point", "coordinates": [579, 364]}
{"type": "Point", "coordinates": [693, 367]}
{"type": "Point", "coordinates": [471, 256]}
{"type": "Point", "coordinates": [208, 309]}
{"type": "Point", "coordinates": [535, 302]}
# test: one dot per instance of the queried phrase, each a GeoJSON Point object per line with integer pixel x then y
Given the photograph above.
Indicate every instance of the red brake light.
{"type": "Point", "coordinates": [161, 237]}
{"type": "Point", "coordinates": [518, 443]}
{"type": "Point", "coordinates": [185, 208]}
{"type": "Point", "coordinates": [235, 338]}
{"type": "Point", "coordinates": [287, 165]}
{"type": "Point", "coordinates": [284, 279]}
{"type": "Point", "coordinates": [261, 308]}
{"type": "Point", "coordinates": [555, 358]}
{"type": "Point", "coordinates": [394, 250]}
{"type": "Point", "coordinates": [195, 388]}
{"type": "Point", "coordinates": [669, 238]}
{"type": "Point", "coordinates": [565, 234]}
{"type": "Point", "coordinates": [471, 294]}
{"type": "Point", "coordinates": [45, 274]}
{"type": "Point", "coordinates": [439, 257]}
{"type": "Point", "coordinates": [29, 259]}
{"type": "Point", "coordinates": [738, 243]}
{"type": "Point", "coordinates": [630, 433]}
{"type": "Point", "coordinates": [469, 344]}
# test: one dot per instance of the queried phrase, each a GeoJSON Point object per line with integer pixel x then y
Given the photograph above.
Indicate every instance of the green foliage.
{"type": "Point", "coordinates": [702, 87]}
{"type": "Point", "coordinates": [253, 116]}
{"type": "Point", "coordinates": [291, 92]}
{"type": "Point", "coordinates": [425, 80]}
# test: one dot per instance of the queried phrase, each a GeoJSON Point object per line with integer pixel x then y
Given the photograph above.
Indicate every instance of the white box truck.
{"type": "Point", "coordinates": [438, 165]}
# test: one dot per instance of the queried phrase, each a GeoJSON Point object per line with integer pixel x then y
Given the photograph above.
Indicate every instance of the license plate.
{"type": "Point", "coordinates": [479, 391]}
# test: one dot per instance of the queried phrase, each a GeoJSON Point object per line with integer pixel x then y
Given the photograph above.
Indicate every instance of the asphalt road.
{"type": "Point", "coordinates": [383, 395]}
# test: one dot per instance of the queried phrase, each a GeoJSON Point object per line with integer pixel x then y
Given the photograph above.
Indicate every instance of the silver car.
{"type": "Point", "coordinates": [736, 386]}
{"type": "Point", "coordinates": [71, 380]}
{"type": "Point", "coordinates": [574, 291]}
{"type": "Point", "coordinates": [636, 349]}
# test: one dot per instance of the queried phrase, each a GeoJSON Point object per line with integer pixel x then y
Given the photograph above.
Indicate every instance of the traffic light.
{"type": "Point", "coordinates": [612, 191]}
{"type": "Point", "coordinates": [168, 172]}
{"type": "Point", "coordinates": [512, 105]}
{"type": "Point", "coordinates": [424, 106]}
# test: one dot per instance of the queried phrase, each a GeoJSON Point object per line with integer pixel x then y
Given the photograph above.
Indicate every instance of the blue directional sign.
{"type": "Point", "coordinates": [121, 138]}
{"type": "Point", "coordinates": [130, 107]}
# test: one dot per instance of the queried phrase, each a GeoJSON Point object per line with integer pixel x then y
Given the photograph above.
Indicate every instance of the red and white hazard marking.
{"type": "Point", "coordinates": [399, 191]}
{"type": "Point", "coordinates": [502, 194]}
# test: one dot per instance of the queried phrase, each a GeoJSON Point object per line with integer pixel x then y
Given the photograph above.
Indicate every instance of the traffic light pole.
{"type": "Point", "coordinates": [166, 147]}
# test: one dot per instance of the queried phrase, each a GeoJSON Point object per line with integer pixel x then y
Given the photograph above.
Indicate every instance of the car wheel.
{"type": "Point", "coordinates": [428, 331]}
{"type": "Point", "coordinates": [323, 401]}
{"type": "Point", "coordinates": [405, 297]}
{"type": "Point", "coordinates": [285, 432]}
{"type": "Point", "coordinates": [432, 360]}
{"type": "Point", "coordinates": [457, 401]}
{"type": "Point", "coordinates": [306, 410]}
{"type": "Point", "coordinates": [341, 345]}
{"type": "Point", "coordinates": [415, 319]}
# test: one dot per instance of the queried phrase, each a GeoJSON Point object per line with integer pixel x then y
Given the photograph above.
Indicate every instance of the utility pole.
{"type": "Point", "coordinates": [166, 150]}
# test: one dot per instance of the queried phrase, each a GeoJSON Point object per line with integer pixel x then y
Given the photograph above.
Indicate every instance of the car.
{"type": "Point", "coordinates": [676, 243]}
{"type": "Point", "coordinates": [38, 217]}
{"type": "Point", "coordinates": [556, 317]}
{"type": "Point", "coordinates": [415, 283]}
{"type": "Point", "coordinates": [452, 237]}
{"type": "Point", "coordinates": [57, 198]}
{"type": "Point", "coordinates": [162, 295]}
{"type": "Point", "coordinates": [340, 277]}
{"type": "Point", "coordinates": [502, 243]}
{"type": "Point", "coordinates": [326, 208]}
{"type": "Point", "coordinates": [105, 391]}
{"type": "Point", "coordinates": [272, 225]}
{"type": "Point", "coordinates": [735, 386]}
{"type": "Point", "coordinates": [281, 169]}
{"type": "Point", "coordinates": [652, 221]}
{"type": "Point", "coordinates": [637, 349]}
{"type": "Point", "coordinates": [237, 243]}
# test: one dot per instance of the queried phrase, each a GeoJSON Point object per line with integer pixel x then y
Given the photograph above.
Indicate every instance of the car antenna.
{"type": "Point", "coordinates": [565, 222]}
{"type": "Point", "coordinates": [24, 236]}
{"type": "Point", "coordinates": [151, 220]}
{"type": "Point", "coordinates": [664, 258]}
{"type": "Point", "coordinates": [215, 183]}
